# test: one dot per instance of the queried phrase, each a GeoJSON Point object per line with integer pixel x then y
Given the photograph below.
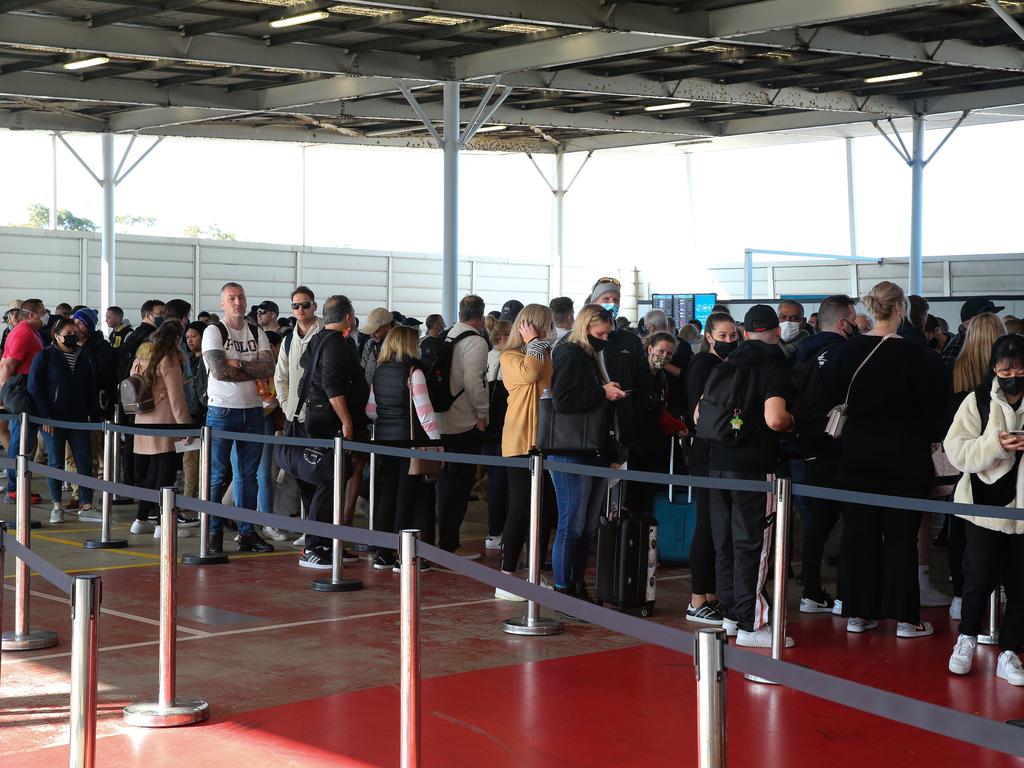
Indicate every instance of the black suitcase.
{"type": "Point", "coordinates": [627, 556]}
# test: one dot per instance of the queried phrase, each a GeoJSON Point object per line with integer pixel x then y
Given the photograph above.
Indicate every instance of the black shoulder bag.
{"type": "Point", "coordinates": [307, 464]}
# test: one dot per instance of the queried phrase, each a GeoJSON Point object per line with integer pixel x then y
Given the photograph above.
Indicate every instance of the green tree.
{"type": "Point", "coordinates": [39, 218]}
{"type": "Point", "coordinates": [208, 232]}
{"type": "Point", "coordinates": [126, 221]}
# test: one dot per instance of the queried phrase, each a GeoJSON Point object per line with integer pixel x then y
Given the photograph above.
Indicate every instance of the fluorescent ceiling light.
{"type": "Point", "coordinates": [492, 128]}
{"type": "Point", "coordinates": [890, 78]}
{"type": "Point", "coordinates": [92, 61]}
{"type": "Point", "coordinates": [302, 18]}
{"type": "Point", "coordinates": [667, 105]}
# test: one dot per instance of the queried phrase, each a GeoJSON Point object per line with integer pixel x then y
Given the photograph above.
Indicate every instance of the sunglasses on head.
{"type": "Point", "coordinates": [302, 304]}
{"type": "Point", "coordinates": [612, 280]}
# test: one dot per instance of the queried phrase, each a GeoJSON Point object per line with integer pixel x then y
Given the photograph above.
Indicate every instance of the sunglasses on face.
{"type": "Point", "coordinates": [302, 304]}
{"type": "Point", "coordinates": [263, 311]}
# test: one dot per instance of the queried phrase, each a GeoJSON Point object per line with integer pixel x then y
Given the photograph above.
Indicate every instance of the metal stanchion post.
{"type": "Point", "coordinates": [85, 613]}
{"type": "Point", "coordinates": [104, 541]}
{"type": "Point", "coordinates": [23, 450]}
{"type": "Point", "coordinates": [709, 659]}
{"type": "Point", "coordinates": [409, 737]}
{"type": "Point", "coordinates": [373, 484]}
{"type": "Point", "coordinates": [337, 583]}
{"type": "Point", "coordinates": [117, 473]}
{"type": "Point", "coordinates": [532, 623]}
{"type": "Point", "coordinates": [23, 638]}
{"type": "Point", "coordinates": [168, 710]}
{"type": "Point", "coordinates": [992, 636]}
{"type": "Point", "coordinates": [205, 469]}
{"type": "Point", "coordinates": [783, 503]}
{"type": "Point", "coordinates": [3, 552]}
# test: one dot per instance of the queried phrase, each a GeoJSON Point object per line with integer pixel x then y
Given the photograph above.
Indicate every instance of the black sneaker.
{"type": "Point", "coordinates": [347, 556]}
{"type": "Point", "coordinates": [251, 542]}
{"type": "Point", "coordinates": [582, 593]}
{"type": "Point", "coordinates": [315, 558]}
{"type": "Point", "coordinates": [384, 562]}
{"type": "Point", "coordinates": [706, 614]}
{"type": "Point", "coordinates": [215, 543]}
{"type": "Point", "coordinates": [424, 566]}
{"type": "Point", "coordinates": [569, 592]}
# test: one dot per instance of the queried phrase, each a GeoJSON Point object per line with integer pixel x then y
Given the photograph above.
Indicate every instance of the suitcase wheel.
{"type": "Point", "coordinates": [647, 610]}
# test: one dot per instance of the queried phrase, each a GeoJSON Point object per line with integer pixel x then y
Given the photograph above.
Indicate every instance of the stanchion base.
{"type": "Point", "coordinates": [344, 585]}
{"type": "Point", "coordinates": [108, 544]}
{"type": "Point", "coordinates": [988, 639]}
{"type": "Point", "coordinates": [1017, 722]}
{"type": "Point", "coordinates": [207, 560]}
{"type": "Point", "coordinates": [32, 640]}
{"type": "Point", "coordinates": [154, 716]}
{"type": "Point", "coordinates": [541, 627]}
{"type": "Point", "coordinates": [12, 526]}
{"type": "Point", "coordinates": [756, 679]}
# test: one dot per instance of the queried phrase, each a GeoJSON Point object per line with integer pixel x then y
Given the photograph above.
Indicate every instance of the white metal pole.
{"type": "Point", "coordinates": [691, 208]}
{"type": "Point", "coordinates": [748, 274]}
{"type": "Point", "coordinates": [559, 234]}
{"type": "Point", "coordinates": [85, 614]}
{"type": "Point", "coordinates": [409, 736]}
{"type": "Point", "coordinates": [107, 257]}
{"type": "Point", "coordinates": [917, 207]}
{"type": "Point", "coordinates": [53, 188]}
{"type": "Point", "coordinates": [709, 658]}
{"type": "Point", "coordinates": [450, 263]}
{"type": "Point", "coordinates": [851, 198]}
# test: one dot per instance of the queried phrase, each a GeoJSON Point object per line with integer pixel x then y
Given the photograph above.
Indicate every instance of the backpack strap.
{"type": "Point", "coordinates": [983, 397]}
{"type": "Point", "coordinates": [287, 341]}
{"type": "Point", "coordinates": [253, 331]}
{"type": "Point", "coordinates": [307, 380]}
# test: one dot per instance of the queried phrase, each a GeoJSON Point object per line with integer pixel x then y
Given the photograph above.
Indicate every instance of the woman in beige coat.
{"type": "Point", "coordinates": [159, 363]}
{"type": "Point", "coordinates": [986, 442]}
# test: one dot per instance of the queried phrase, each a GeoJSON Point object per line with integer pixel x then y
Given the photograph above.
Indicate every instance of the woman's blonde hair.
{"type": "Point", "coordinates": [885, 299]}
{"type": "Point", "coordinates": [972, 367]}
{"type": "Point", "coordinates": [536, 315]}
{"type": "Point", "coordinates": [588, 316]}
{"type": "Point", "coordinates": [402, 342]}
{"type": "Point", "coordinates": [501, 328]}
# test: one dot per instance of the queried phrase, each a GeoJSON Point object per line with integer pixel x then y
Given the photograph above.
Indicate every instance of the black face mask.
{"type": "Point", "coordinates": [597, 344]}
{"type": "Point", "coordinates": [725, 348]}
{"type": "Point", "coordinates": [854, 330]}
{"type": "Point", "coordinates": [70, 340]}
{"type": "Point", "coordinates": [1012, 385]}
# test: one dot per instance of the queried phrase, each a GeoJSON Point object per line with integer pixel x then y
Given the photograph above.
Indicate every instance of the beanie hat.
{"type": "Point", "coordinates": [88, 317]}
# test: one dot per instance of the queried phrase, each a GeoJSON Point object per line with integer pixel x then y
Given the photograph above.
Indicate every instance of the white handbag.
{"type": "Point", "coordinates": [837, 416]}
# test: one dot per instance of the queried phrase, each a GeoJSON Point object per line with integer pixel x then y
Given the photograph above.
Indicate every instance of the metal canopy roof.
{"type": "Point", "coordinates": [583, 73]}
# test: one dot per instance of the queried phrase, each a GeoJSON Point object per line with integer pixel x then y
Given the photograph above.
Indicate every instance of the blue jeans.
{"type": "Point", "coordinates": [264, 475]}
{"type": "Point", "coordinates": [580, 500]}
{"type": "Point", "coordinates": [243, 458]}
{"type": "Point", "coordinates": [81, 449]}
{"type": "Point", "coordinates": [12, 448]}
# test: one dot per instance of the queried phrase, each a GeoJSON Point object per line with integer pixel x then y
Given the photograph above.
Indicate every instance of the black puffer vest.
{"type": "Point", "coordinates": [391, 394]}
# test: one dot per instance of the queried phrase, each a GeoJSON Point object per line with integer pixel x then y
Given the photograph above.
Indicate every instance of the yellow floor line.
{"type": "Point", "coordinates": [78, 545]}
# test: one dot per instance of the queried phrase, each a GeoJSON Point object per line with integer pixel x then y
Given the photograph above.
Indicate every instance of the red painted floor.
{"type": "Point", "coordinates": [632, 706]}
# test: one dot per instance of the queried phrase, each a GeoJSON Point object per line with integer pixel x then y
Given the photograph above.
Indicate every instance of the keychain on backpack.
{"type": "Point", "coordinates": [736, 422]}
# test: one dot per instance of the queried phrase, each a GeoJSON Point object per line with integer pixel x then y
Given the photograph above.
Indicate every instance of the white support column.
{"type": "Point", "coordinates": [450, 262]}
{"type": "Point", "coordinates": [851, 198]}
{"type": "Point", "coordinates": [107, 256]}
{"type": "Point", "coordinates": [559, 229]}
{"type": "Point", "coordinates": [917, 207]}
{"type": "Point", "coordinates": [53, 188]}
{"type": "Point", "coordinates": [691, 221]}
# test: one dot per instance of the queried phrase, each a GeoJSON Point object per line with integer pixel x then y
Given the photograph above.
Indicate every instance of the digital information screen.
{"type": "Point", "coordinates": [685, 307]}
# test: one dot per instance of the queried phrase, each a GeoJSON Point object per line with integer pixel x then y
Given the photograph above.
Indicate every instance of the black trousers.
{"type": "Point", "coordinates": [991, 557]}
{"type": "Point", "coordinates": [319, 502]}
{"type": "Point", "coordinates": [955, 544]}
{"type": "Point", "coordinates": [743, 524]}
{"type": "Point", "coordinates": [155, 471]}
{"type": "Point", "coordinates": [821, 517]}
{"type": "Point", "coordinates": [702, 547]}
{"type": "Point", "coordinates": [404, 501]}
{"type": "Point", "coordinates": [516, 533]}
{"type": "Point", "coordinates": [878, 563]}
{"type": "Point", "coordinates": [454, 486]}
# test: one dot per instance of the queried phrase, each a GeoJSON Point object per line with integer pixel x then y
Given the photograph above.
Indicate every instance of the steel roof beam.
{"type": "Point", "coordinates": [352, 25]}
{"type": "Point", "coordinates": [129, 13]}
{"type": "Point", "coordinates": [835, 40]}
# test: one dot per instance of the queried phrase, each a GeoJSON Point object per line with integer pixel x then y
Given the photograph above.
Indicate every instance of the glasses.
{"type": "Point", "coordinates": [302, 304]}
{"type": "Point", "coordinates": [612, 280]}
{"type": "Point", "coordinates": [264, 311]}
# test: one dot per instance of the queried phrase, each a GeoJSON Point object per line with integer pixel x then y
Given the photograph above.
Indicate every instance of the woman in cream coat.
{"type": "Point", "coordinates": [988, 452]}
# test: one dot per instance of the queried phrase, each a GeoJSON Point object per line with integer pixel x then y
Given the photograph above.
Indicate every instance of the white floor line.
{"type": "Point", "coordinates": [249, 630]}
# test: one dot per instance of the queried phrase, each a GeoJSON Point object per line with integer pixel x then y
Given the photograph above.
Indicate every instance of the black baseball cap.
{"type": "Point", "coordinates": [510, 309]}
{"type": "Point", "coordinates": [412, 322]}
{"type": "Point", "coordinates": [268, 306]}
{"type": "Point", "coordinates": [759, 318]}
{"type": "Point", "coordinates": [975, 307]}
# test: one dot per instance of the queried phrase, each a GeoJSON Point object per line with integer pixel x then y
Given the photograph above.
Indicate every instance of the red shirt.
{"type": "Point", "coordinates": [23, 344]}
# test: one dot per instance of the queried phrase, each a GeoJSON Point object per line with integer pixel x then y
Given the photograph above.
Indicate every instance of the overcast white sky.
{"type": "Point", "coordinates": [628, 207]}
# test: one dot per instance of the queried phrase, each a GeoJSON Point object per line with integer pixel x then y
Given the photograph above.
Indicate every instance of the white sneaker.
{"type": "Point", "coordinates": [837, 607]}
{"type": "Point", "coordinates": [932, 598]}
{"type": "Point", "coordinates": [906, 629]}
{"type": "Point", "coordinates": [183, 533]}
{"type": "Point", "coordinates": [57, 514]}
{"type": "Point", "coordinates": [90, 515]}
{"type": "Point", "coordinates": [492, 542]}
{"type": "Point", "coordinates": [963, 655]}
{"type": "Point", "coordinates": [300, 542]}
{"type": "Point", "coordinates": [274, 534]}
{"type": "Point", "coordinates": [362, 507]}
{"type": "Point", "coordinates": [469, 554]}
{"type": "Point", "coordinates": [140, 527]}
{"type": "Point", "coordinates": [760, 638]}
{"type": "Point", "coordinates": [1009, 668]}
{"type": "Point", "coordinates": [807, 605]}
{"type": "Point", "coordinates": [502, 594]}
{"type": "Point", "coordinates": [731, 627]}
{"type": "Point", "coordinates": [955, 608]}
{"type": "Point", "coordinates": [856, 626]}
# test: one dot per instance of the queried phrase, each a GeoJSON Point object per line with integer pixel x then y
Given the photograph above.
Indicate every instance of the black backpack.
{"type": "Point", "coordinates": [725, 407]}
{"type": "Point", "coordinates": [811, 407]}
{"type": "Point", "coordinates": [252, 329]}
{"type": "Point", "coordinates": [439, 375]}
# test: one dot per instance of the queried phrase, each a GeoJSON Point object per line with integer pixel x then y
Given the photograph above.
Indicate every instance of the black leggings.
{"type": "Point", "coordinates": [404, 501]}
{"type": "Point", "coordinates": [702, 547]}
{"type": "Point", "coordinates": [991, 557]}
{"type": "Point", "coordinates": [155, 471]}
{"type": "Point", "coordinates": [517, 524]}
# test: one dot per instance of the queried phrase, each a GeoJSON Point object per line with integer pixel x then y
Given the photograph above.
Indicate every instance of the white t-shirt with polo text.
{"type": "Point", "coordinates": [239, 345]}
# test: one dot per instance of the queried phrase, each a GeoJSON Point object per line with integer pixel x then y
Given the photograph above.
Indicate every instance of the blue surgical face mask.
{"type": "Point", "coordinates": [158, 320]}
{"type": "Point", "coordinates": [613, 309]}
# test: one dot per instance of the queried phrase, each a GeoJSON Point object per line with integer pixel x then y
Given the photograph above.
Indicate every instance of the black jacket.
{"type": "Point", "coordinates": [576, 384]}
{"type": "Point", "coordinates": [626, 361]}
{"type": "Point", "coordinates": [391, 395]}
{"type": "Point", "coordinates": [130, 346]}
{"type": "Point", "coordinates": [104, 364]}
{"type": "Point", "coordinates": [60, 393]}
